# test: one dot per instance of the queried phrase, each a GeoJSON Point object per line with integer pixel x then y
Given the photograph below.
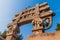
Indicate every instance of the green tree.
{"type": "Point", "coordinates": [18, 37]}
{"type": "Point", "coordinates": [58, 27]}
{"type": "Point", "coordinates": [4, 34]}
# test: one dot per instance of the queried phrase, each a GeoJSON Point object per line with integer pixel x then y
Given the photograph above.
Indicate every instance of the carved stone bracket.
{"type": "Point", "coordinates": [40, 16]}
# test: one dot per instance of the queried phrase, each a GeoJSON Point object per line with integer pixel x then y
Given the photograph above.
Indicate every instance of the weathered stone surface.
{"type": "Point", "coordinates": [40, 16]}
{"type": "Point", "coordinates": [46, 36]}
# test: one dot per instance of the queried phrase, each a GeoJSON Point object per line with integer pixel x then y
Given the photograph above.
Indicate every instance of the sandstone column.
{"type": "Point", "coordinates": [12, 31]}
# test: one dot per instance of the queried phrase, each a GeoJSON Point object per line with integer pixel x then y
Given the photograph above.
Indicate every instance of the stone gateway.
{"type": "Point", "coordinates": [40, 16]}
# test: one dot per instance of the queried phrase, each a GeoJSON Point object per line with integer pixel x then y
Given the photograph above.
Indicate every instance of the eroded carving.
{"type": "Point", "coordinates": [36, 15]}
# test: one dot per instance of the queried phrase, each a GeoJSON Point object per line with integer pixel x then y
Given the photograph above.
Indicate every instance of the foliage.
{"type": "Point", "coordinates": [4, 34]}
{"type": "Point", "coordinates": [18, 37]}
{"type": "Point", "coordinates": [58, 27]}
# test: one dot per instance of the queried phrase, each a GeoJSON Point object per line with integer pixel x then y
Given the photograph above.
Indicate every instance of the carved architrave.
{"type": "Point", "coordinates": [35, 15]}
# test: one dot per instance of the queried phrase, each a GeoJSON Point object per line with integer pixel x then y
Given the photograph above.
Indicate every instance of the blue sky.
{"type": "Point", "coordinates": [8, 8]}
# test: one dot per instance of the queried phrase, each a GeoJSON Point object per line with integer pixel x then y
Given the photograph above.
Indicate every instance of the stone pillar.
{"type": "Point", "coordinates": [37, 9]}
{"type": "Point", "coordinates": [38, 28]}
{"type": "Point", "coordinates": [12, 31]}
